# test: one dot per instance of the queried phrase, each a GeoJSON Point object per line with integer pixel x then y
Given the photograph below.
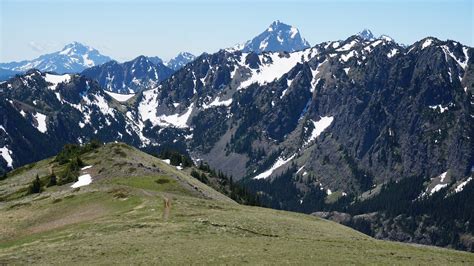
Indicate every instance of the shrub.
{"type": "Point", "coordinates": [35, 186]}
{"type": "Point", "coordinates": [52, 180]}
{"type": "Point", "coordinates": [3, 176]}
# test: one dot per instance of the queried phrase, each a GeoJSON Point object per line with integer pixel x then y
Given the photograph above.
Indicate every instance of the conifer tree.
{"type": "Point", "coordinates": [35, 186]}
{"type": "Point", "coordinates": [52, 180]}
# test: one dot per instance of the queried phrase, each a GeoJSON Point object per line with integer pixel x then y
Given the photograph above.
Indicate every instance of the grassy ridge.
{"type": "Point", "coordinates": [119, 219]}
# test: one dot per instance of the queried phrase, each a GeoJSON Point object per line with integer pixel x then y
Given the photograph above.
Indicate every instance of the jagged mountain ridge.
{"type": "Point", "coordinates": [340, 117]}
{"type": "Point", "coordinates": [129, 77]}
{"type": "Point", "coordinates": [175, 63]}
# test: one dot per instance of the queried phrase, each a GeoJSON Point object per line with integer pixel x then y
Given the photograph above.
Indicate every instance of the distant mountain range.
{"type": "Point", "coordinates": [379, 132]}
{"type": "Point", "coordinates": [143, 72]}
{"type": "Point", "coordinates": [138, 74]}
{"type": "Point", "coordinates": [76, 57]}
{"type": "Point", "coordinates": [175, 63]}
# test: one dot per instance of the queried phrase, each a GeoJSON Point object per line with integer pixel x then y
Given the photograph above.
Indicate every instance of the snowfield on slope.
{"type": "Point", "coordinates": [41, 120]}
{"type": "Point", "coordinates": [56, 79]}
{"type": "Point", "coordinates": [147, 111]}
{"type": "Point", "coordinates": [461, 186]}
{"type": "Point", "coordinates": [280, 64]}
{"type": "Point", "coordinates": [83, 180]}
{"type": "Point", "coordinates": [120, 97]}
{"type": "Point", "coordinates": [6, 154]}
{"type": "Point", "coordinates": [218, 102]}
{"type": "Point", "coordinates": [319, 127]}
{"type": "Point", "coordinates": [280, 162]}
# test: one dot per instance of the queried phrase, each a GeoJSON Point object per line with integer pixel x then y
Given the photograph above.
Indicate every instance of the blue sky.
{"type": "Point", "coordinates": [126, 29]}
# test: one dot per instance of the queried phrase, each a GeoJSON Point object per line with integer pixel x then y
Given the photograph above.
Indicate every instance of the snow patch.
{"type": "Point", "coordinates": [148, 105]}
{"type": "Point", "coordinates": [120, 97]}
{"type": "Point", "coordinates": [437, 188]}
{"type": "Point", "coordinates": [347, 46]}
{"type": "Point", "coordinates": [87, 61]}
{"type": "Point", "coordinates": [280, 162]}
{"type": "Point", "coordinates": [217, 102]}
{"type": "Point", "coordinates": [319, 127]}
{"type": "Point", "coordinates": [299, 170]}
{"type": "Point", "coordinates": [393, 52]}
{"type": "Point", "coordinates": [314, 73]}
{"type": "Point", "coordinates": [372, 45]}
{"type": "Point", "coordinates": [461, 186]}
{"type": "Point", "coordinates": [176, 120]}
{"type": "Point", "coordinates": [263, 44]}
{"type": "Point", "coordinates": [147, 110]}
{"type": "Point", "coordinates": [346, 57]}
{"type": "Point", "coordinates": [82, 180]}
{"type": "Point", "coordinates": [293, 32]}
{"type": "Point", "coordinates": [86, 167]}
{"type": "Point", "coordinates": [439, 107]}
{"type": "Point", "coordinates": [272, 71]}
{"type": "Point", "coordinates": [103, 105]}
{"type": "Point", "coordinates": [56, 79]}
{"type": "Point", "coordinates": [442, 177]}
{"type": "Point", "coordinates": [426, 43]}
{"type": "Point", "coordinates": [6, 154]}
{"type": "Point", "coordinates": [448, 52]}
{"type": "Point", "coordinates": [41, 120]}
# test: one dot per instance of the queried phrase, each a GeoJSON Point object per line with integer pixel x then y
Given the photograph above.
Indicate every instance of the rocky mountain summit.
{"type": "Point", "coordinates": [278, 37]}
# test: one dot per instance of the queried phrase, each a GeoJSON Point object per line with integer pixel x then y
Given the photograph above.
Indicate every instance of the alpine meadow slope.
{"type": "Point", "coordinates": [140, 209]}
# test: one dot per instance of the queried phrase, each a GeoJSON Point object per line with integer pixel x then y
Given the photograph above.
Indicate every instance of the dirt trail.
{"type": "Point", "coordinates": [167, 208]}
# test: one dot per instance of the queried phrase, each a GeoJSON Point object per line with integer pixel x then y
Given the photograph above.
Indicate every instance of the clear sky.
{"type": "Point", "coordinates": [126, 29]}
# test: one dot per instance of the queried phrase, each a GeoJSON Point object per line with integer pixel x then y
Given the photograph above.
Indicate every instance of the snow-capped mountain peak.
{"type": "Point", "coordinates": [76, 48]}
{"type": "Point", "coordinates": [180, 60]}
{"type": "Point", "coordinates": [278, 37]}
{"type": "Point", "coordinates": [73, 58]}
{"type": "Point", "coordinates": [366, 34]}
